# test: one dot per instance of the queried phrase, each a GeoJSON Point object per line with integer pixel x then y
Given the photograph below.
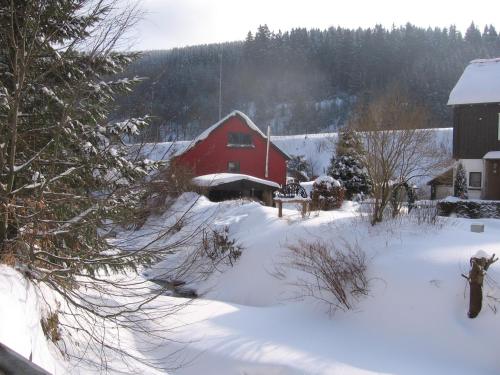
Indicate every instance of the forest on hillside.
{"type": "Point", "coordinates": [301, 81]}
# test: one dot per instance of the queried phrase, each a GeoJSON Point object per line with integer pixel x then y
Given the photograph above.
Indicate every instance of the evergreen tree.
{"type": "Point", "coordinates": [346, 167]}
{"type": "Point", "coordinates": [461, 190]}
{"type": "Point", "coordinates": [298, 167]}
{"type": "Point", "coordinates": [64, 172]}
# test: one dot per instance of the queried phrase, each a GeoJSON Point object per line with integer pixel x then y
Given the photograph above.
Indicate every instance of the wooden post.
{"type": "Point", "coordinates": [304, 208]}
{"type": "Point", "coordinates": [280, 209]}
{"type": "Point", "coordinates": [479, 266]}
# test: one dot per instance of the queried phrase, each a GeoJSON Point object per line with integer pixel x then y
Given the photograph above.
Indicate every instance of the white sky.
{"type": "Point", "coordinates": [177, 23]}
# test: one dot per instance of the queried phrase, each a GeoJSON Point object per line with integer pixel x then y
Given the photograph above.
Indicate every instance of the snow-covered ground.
{"type": "Point", "coordinates": [250, 321]}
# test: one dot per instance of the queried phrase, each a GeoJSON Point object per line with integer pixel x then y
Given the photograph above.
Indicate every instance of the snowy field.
{"type": "Point", "coordinates": [250, 321]}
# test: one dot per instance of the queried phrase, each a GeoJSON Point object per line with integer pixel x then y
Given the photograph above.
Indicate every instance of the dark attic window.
{"type": "Point", "coordinates": [239, 140]}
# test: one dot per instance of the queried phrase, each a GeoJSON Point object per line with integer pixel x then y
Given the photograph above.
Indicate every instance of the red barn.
{"type": "Point", "coordinates": [235, 145]}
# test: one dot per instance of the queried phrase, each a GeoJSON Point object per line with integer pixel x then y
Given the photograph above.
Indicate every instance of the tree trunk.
{"type": "Point", "coordinates": [479, 266]}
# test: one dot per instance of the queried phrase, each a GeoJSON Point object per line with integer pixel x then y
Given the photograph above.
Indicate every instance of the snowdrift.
{"type": "Point", "coordinates": [413, 322]}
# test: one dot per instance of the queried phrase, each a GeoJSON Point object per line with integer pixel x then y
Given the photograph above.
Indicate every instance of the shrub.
{"type": "Point", "coordinates": [327, 194]}
{"type": "Point", "coordinates": [50, 326]}
{"type": "Point", "coordinates": [333, 275]}
{"type": "Point", "coordinates": [167, 184]}
{"type": "Point", "coordinates": [219, 248]}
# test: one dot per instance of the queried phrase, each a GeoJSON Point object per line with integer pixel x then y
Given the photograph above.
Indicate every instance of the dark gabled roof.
{"type": "Point", "coordinates": [445, 178]}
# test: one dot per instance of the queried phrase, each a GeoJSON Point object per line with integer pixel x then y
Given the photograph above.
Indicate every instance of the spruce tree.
{"type": "Point", "coordinates": [64, 171]}
{"type": "Point", "coordinates": [461, 183]}
{"type": "Point", "coordinates": [346, 167]}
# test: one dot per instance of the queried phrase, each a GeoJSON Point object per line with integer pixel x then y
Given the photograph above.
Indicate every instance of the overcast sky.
{"type": "Point", "coordinates": [177, 23]}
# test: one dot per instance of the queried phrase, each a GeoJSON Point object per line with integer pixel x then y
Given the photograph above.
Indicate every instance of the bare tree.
{"type": "Point", "coordinates": [398, 145]}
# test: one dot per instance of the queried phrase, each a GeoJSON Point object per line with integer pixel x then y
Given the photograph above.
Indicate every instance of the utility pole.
{"type": "Point", "coordinates": [267, 151]}
{"type": "Point", "coordinates": [220, 82]}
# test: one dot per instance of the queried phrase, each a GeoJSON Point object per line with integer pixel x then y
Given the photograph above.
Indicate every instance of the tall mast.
{"type": "Point", "coordinates": [220, 82]}
{"type": "Point", "coordinates": [266, 174]}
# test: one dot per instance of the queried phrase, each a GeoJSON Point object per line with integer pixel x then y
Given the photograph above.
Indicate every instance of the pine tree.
{"type": "Point", "coordinates": [57, 144]}
{"type": "Point", "coordinates": [64, 172]}
{"type": "Point", "coordinates": [299, 167]}
{"type": "Point", "coordinates": [346, 167]}
{"type": "Point", "coordinates": [461, 183]}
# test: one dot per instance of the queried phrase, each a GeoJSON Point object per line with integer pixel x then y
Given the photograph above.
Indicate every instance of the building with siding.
{"type": "Point", "coordinates": [236, 146]}
{"type": "Point", "coordinates": [475, 100]}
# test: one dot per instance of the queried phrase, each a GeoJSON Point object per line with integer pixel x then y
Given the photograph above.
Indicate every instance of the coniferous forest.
{"type": "Point", "coordinates": [301, 81]}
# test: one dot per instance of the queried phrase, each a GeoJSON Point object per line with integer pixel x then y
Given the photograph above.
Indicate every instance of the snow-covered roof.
{"type": "Point", "coordinates": [492, 155]}
{"type": "Point", "coordinates": [216, 179]}
{"type": "Point", "coordinates": [479, 83]}
{"type": "Point", "coordinates": [247, 121]}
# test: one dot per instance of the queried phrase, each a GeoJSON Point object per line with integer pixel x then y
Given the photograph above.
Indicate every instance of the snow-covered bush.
{"type": "Point", "coordinates": [469, 209]}
{"type": "Point", "coordinates": [327, 194]}
{"type": "Point", "coordinates": [333, 274]}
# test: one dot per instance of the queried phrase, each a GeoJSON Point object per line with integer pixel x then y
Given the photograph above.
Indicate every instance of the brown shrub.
{"type": "Point", "coordinates": [333, 275]}
{"type": "Point", "coordinates": [326, 196]}
{"type": "Point", "coordinates": [50, 326]}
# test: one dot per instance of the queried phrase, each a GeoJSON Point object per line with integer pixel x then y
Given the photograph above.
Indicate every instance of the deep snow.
{"type": "Point", "coordinates": [413, 322]}
{"type": "Point", "coordinates": [249, 321]}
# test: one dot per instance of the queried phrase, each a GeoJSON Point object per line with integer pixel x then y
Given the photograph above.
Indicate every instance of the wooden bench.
{"type": "Point", "coordinates": [292, 193]}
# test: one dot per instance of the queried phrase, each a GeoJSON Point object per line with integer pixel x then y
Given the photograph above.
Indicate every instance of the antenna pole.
{"type": "Point", "coordinates": [220, 83]}
{"type": "Point", "coordinates": [267, 150]}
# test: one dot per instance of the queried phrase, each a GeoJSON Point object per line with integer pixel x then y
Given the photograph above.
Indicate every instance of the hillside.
{"type": "Point", "coordinates": [301, 81]}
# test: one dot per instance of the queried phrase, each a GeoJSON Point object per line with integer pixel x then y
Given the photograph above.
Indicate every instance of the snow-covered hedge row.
{"type": "Point", "coordinates": [470, 209]}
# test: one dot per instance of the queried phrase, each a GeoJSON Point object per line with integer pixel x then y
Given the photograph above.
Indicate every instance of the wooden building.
{"type": "Point", "coordinates": [236, 146]}
{"type": "Point", "coordinates": [476, 127]}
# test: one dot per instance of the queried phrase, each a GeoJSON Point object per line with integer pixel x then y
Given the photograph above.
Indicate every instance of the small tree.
{"type": "Point", "coordinates": [461, 183]}
{"type": "Point", "coordinates": [345, 165]}
{"type": "Point", "coordinates": [398, 146]}
{"type": "Point", "coordinates": [299, 168]}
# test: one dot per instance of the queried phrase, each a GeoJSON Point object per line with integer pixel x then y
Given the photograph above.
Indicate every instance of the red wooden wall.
{"type": "Point", "coordinates": [212, 154]}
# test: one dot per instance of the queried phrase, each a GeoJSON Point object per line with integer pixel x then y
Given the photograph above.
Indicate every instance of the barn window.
{"type": "Point", "coordinates": [239, 140]}
{"type": "Point", "coordinates": [475, 179]}
{"type": "Point", "coordinates": [233, 167]}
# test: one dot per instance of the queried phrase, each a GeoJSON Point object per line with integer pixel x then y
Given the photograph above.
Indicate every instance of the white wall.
{"type": "Point", "coordinates": [473, 165]}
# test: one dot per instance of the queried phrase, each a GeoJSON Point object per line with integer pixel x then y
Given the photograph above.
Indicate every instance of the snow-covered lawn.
{"type": "Point", "coordinates": [249, 321]}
